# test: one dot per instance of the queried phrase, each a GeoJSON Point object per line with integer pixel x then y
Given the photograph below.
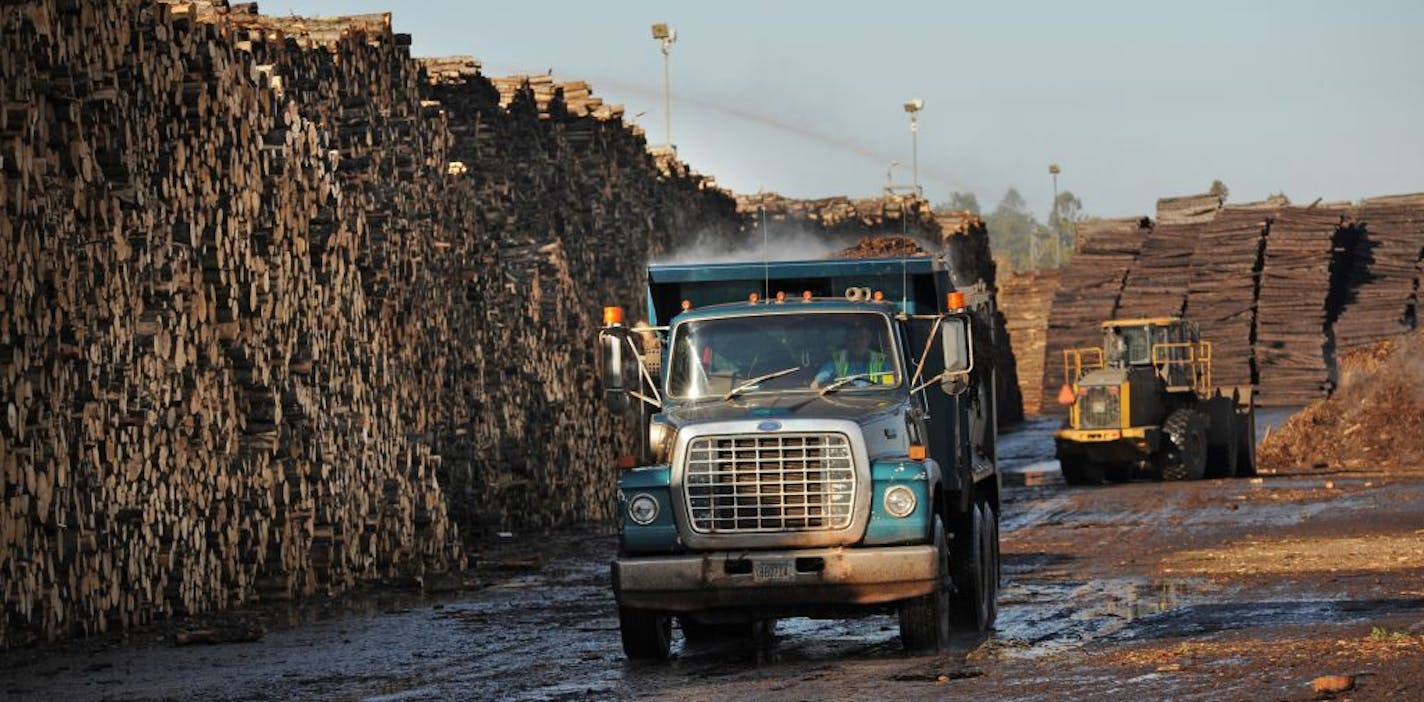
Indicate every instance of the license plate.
{"type": "Point", "coordinates": [772, 571]}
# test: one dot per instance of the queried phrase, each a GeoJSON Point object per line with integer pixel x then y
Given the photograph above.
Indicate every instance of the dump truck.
{"type": "Point", "coordinates": [1144, 405]}
{"type": "Point", "coordinates": [815, 439]}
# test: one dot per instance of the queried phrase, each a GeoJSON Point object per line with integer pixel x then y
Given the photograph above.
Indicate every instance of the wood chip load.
{"type": "Point", "coordinates": [1381, 302]}
{"type": "Point", "coordinates": [1088, 293]}
{"type": "Point", "coordinates": [1292, 310]}
{"type": "Point", "coordinates": [1025, 300]}
{"type": "Point", "coordinates": [272, 305]}
{"type": "Point", "coordinates": [1225, 272]}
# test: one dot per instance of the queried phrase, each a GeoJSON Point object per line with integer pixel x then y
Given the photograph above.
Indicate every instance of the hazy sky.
{"type": "Point", "coordinates": [1135, 100]}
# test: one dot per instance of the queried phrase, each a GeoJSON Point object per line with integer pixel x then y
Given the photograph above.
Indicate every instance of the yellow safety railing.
{"type": "Point", "coordinates": [1184, 364]}
{"type": "Point", "coordinates": [1080, 362]}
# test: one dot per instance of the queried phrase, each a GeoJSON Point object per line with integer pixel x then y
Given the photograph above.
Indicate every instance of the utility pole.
{"type": "Point", "coordinates": [1054, 170]}
{"type": "Point", "coordinates": [666, 36]}
{"type": "Point", "coordinates": [913, 107]}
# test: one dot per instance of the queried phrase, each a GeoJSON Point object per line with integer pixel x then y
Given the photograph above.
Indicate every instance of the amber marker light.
{"type": "Point", "coordinates": [780, 296]}
{"type": "Point", "coordinates": [752, 298]}
{"type": "Point", "coordinates": [612, 316]}
{"type": "Point", "coordinates": [627, 461]}
{"type": "Point", "coordinates": [878, 296]}
{"type": "Point", "coordinates": [918, 452]}
{"type": "Point", "coordinates": [806, 296]}
{"type": "Point", "coordinates": [686, 305]}
{"type": "Point", "coordinates": [954, 300]}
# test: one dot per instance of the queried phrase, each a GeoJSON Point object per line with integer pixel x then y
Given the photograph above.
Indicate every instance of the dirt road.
{"type": "Point", "coordinates": [1227, 589]}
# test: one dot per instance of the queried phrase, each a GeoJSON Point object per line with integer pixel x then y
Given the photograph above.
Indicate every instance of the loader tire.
{"type": "Point", "coordinates": [1184, 456]}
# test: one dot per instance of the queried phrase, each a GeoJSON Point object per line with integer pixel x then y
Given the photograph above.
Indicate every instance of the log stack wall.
{"type": "Point", "coordinates": [275, 295]}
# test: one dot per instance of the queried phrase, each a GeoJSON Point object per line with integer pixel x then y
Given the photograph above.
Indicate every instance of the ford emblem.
{"type": "Point", "coordinates": [769, 426]}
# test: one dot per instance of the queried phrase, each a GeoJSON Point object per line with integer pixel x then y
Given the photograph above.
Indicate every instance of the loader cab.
{"type": "Point", "coordinates": [1171, 345]}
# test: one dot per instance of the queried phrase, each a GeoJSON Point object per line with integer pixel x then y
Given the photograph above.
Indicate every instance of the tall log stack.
{"type": "Point", "coordinates": [1292, 351]}
{"type": "Point", "coordinates": [264, 296]}
{"type": "Point", "coordinates": [1384, 273]}
{"type": "Point", "coordinates": [1225, 276]}
{"type": "Point", "coordinates": [1088, 293]}
{"type": "Point", "coordinates": [1157, 284]}
{"type": "Point", "coordinates": [1025, 300]}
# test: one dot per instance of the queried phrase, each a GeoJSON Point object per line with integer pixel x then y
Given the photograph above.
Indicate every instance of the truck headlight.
{"type": "Point", "coordinates": [660, 439]}
{"type": "Point", "coordinates": [899, 501]}
{"type": "Point", "coordinates": [643, 509]}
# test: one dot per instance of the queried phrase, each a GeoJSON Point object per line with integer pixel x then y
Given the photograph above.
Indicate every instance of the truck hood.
{"type": "Point", "coordinates": [863, 408]}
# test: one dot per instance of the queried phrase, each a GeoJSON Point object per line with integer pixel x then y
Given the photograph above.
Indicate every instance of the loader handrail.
{"type": "Point", "coordinates": [1192, 359]}
{"type": "Point", "coordinates": [1075, 365]}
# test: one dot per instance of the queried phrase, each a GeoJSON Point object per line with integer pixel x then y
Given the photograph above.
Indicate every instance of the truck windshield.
{"type": "Point", "coordinates": [711, 357]}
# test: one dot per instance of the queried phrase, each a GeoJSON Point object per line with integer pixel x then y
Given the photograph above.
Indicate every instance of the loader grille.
{"type": "Point", "coordinates": [1099, 409]}
{"type": "Point", "coordinates": [768, 483]}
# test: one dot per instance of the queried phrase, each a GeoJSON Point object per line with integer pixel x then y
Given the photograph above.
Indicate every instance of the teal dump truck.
{"type": "Point", "coordinates": [816, 438]}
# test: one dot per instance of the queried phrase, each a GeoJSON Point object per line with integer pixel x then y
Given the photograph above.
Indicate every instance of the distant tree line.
{"type": "Point", "coordinates": [1016, 234]}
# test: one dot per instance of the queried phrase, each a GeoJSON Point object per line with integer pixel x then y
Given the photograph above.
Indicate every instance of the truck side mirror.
{"type": "Point", "coordinates": [957, 341]}
{"type": "Point", "coordinates": [616, 369]}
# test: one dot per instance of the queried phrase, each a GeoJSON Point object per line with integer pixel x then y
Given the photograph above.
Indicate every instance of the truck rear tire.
{"type": "Point", "coordinates": [696, 632]}
{"type": "Point", "coordinates": [647, 635]}
{"type": "Point", "coordinates": [924, 620]}
{"type": "Point", "coordinates": [1184, 456]}
{"type": "Point", "coordinates": [975, 570]}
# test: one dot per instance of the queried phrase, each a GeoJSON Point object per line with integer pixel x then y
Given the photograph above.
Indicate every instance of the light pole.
{"type": "Point", "coordinates": [913, 107]}
{"type": "Point", "coordinates": [666, 36]}
{"type": "Point", "coordinates": [1054, 170]}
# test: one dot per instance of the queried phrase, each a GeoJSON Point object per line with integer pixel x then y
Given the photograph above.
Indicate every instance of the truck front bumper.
{"type": "Point", "coordinates": [824, 576]}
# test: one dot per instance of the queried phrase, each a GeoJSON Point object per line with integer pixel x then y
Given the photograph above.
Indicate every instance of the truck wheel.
{"type": "Point", "coordinates": [647, 635]}
{"type": "Point", "coordinates": [1184, 456]}
{"type": "Point", "coordinates": [976, 577]}
{"type": "Point", "coordinates": [1080, 471]}
{"type": "Point", "coordinates": [924, 620]}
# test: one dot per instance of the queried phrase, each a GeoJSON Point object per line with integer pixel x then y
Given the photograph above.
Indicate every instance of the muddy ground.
{"type": "Point", "coordinates": [1224, 589]}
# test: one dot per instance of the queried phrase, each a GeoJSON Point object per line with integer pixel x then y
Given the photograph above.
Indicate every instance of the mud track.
{"type": "Point", "coordinates": [1226, 589]}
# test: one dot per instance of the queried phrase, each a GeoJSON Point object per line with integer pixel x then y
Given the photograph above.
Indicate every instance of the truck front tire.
{"type": "Point", "coordinates": [924, 621]}
{"type": "Point", "coordinates": [647, 635]}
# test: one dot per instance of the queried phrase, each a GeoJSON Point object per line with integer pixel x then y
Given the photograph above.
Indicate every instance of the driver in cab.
{"type": "Point", "coordinates": [857, 360]}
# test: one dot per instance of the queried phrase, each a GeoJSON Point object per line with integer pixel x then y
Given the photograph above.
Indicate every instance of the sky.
{"type": "Point", "coordinates": [1133, 100]}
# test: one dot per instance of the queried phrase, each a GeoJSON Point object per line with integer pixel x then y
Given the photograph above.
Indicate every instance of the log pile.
{"type": "Point", "coordinates": [882, 247]}
{"type": "Point", "coordinates": [276, 296]}
{"type": "Point", "coordinates": [965, 242]}
{"type": "Point", "coordinates": [839, 217]}
{"type": "Point", "coordinates": [1025, 300]}
{"type": "Point", "coordinates": [1225, 272]}
{"type": "Point", "coordinates": [1187, 209]}
{"type": "Point", "coordinates": [1088, 293]}
{"type": "Point", "coordinates": [1157, 284]}
{"type": "Point", "coordinates": [1383, 272]}
{"type": "Point", "coordinates": [1293, 310]}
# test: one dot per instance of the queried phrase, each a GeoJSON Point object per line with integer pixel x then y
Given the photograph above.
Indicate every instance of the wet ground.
{"type": "Point", "coordinates": [1223, 589]}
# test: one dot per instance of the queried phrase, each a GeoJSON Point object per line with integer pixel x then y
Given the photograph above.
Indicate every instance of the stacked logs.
{"type": "Point", "coordinates": [1225, 277]}
{"type": "Point", "coordinates": [1088, 293]}
{"type": "Point", "coordinates": [271, 305]}
{"type": "Point", "coordinates": [1292, 355]}
{"type": "Point", "coordinates": [1383, 273]}
{"type": "Point", "coordinates": [1025, 300]}
{"type": "Point", "coordinates": [839, 218]}
{"type": "Point", "coordinates": [1157, 284]}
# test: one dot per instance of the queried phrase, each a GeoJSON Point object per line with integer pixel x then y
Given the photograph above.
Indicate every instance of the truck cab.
{"type": "Point", "coordinates": [816, 439]}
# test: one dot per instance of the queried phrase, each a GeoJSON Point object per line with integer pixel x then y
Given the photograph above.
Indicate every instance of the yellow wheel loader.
{"type": "Point", "coordinates": [1143, 405]}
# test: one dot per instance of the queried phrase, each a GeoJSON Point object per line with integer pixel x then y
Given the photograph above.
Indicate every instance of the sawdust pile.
{"type": "Point", "coordinates": [1375, 420]}
{"type": "Point", "coordinates": [882, 247]}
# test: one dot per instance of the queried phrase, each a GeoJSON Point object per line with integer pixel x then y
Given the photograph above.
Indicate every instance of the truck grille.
{"type": "Point", "coordinates": [1098, 409]}
{"type": "Point", "coordinates": [766, 483]}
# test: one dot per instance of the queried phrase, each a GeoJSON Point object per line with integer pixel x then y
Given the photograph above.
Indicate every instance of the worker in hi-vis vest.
{"type": "Point", "coordinates": [857, 359]}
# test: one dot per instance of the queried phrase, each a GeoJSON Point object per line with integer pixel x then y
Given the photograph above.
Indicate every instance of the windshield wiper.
{"type": "Point", "coordinates": [758, 381]}
{"type": "Point", "coordinates": [841, 382]}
